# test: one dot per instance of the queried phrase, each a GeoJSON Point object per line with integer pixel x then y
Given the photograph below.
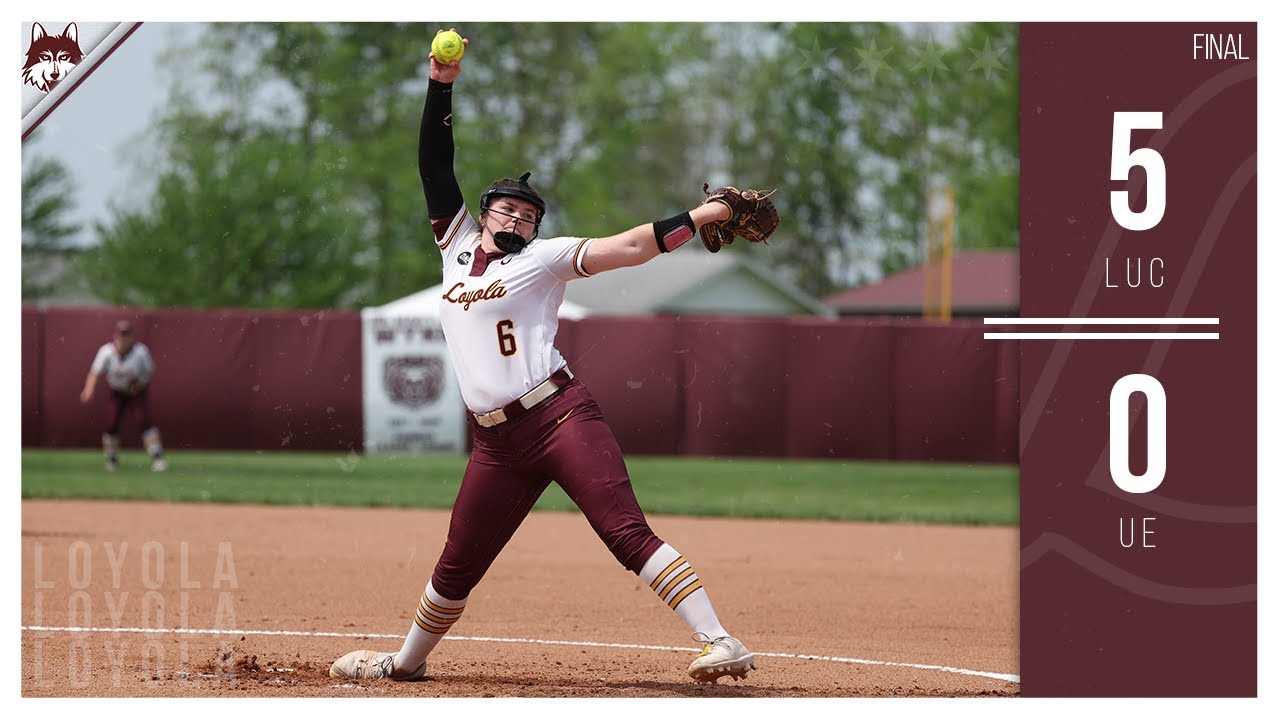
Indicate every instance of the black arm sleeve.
{"type": "Point", "coordinates": [435, 153]}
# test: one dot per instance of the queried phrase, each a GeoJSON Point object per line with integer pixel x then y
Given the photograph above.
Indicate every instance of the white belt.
{"type": "Point", "coordinates": [527, 401]}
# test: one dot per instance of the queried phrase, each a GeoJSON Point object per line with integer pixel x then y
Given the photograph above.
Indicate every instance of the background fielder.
{"type": "Point", "coordinates": [128, 367]}
{"type": "Point", "coordinates": [533, 422]}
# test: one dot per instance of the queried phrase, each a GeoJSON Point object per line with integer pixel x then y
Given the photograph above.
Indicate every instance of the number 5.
{"type": "Point", "coordinates": [1121, 162]}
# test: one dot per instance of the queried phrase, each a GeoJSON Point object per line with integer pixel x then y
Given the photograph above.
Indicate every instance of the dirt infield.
{"type": "Point", "coordinates": [257, 601]}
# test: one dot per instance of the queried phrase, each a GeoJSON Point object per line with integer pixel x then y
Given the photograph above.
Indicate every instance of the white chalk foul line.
{"type": "Point", "coordinates": [520, 641]}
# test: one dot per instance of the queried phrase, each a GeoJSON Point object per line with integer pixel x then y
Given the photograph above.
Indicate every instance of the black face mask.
{"type": "Point", "coordinates": [509, 242]}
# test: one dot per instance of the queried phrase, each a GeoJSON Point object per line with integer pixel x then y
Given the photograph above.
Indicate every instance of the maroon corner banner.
{"type": "Point", "coordinates": [1129, 586]}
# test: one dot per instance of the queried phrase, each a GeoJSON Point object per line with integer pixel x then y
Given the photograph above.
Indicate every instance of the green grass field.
{"type": "Point", "coordinates": [724, 487]}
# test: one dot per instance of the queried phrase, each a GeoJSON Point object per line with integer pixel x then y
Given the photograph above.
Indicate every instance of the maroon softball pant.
{"type": "Point", "coordinates": [120, 404]}
{"type": "Point", "coordinates": [564, 440]}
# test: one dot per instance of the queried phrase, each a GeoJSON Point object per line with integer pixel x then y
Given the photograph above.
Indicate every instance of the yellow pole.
{"type": "Point", "coordinates": [939, 226]}
{"type": "Point", "coordinates": [929, 304]}
{"type": "Point", "coordinates": [948, 227]}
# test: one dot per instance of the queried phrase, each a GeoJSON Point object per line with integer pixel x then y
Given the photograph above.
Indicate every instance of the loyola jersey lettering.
{"type": "Point", "coordinates": [499, 325]}
{"type": "Point", "coordinates": [458, 293]}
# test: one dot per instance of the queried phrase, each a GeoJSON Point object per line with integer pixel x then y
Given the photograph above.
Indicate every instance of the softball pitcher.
{"type": "Point", "coordinates": [533, 422]}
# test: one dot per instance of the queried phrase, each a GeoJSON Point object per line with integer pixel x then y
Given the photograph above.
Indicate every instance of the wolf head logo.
{"type": "Point", "coordinates": [50, 57]}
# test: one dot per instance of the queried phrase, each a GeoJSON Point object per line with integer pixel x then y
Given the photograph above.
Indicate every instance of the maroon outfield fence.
{"type": "Point", "coordinates": [891, 389]}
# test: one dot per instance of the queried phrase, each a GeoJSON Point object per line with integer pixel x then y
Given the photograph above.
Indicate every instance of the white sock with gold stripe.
{"type": "Point", "coordinates": [434, 618]}
{"type": "Point", "coordinates": [669, 575]}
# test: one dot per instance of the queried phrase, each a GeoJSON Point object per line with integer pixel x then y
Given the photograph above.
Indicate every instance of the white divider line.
{"type": "Point", "coordinates": [1099, 321]}
{"type": "Point", "coordinates": [522, 641]}
{"type": "Point", "coordinates": [1100, 336]}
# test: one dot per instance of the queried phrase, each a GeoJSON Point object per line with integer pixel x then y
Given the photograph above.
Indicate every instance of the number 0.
{"type": "Point", "coordinates": [1121, 162]}
{"type": "Point", "coordinates": [1120, 392]}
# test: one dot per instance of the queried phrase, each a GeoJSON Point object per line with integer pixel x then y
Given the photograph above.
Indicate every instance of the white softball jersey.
{"type": "Point", "coordinates": [122, 371]}
{"type": "Point", "coordinates": [501, 325]}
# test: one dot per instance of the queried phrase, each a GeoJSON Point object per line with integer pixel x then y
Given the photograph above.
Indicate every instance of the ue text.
{"type": "Point", "coordinates": [1128, 532]}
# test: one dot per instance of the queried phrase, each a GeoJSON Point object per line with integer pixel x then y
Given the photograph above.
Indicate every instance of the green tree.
{"type": "Point", "coordinates": [47, 201]}
{"type": "Point", "coordinates": [239, 219]}
{"type": "Point", "coordinates": [947, 115]}
{"type": "Point", "coordinates": [611, 128]}
{"type": "Point", "coordinates": [305, 175]}
{"type": "Point", "coordinates": [856, 125]}
{"type": "Point", "coordinates": [601, 138]}
{"type": "Point", "coordinates": [331, 112]}
{"type": "Point", "coordinates": [795, 132]}
{"type": "Point", "coordinates": [984, 105]}
{"type": "Point", "coordinates": [349, 95]}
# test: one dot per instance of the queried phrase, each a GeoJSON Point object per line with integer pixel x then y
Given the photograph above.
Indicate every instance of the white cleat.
{"type": "Point", "coordinates": [371, 665]}
{"type": "Point", "coordinates": [721, 656]}
{"type": "Point", "coordinates": [159, 465]}
{"type": "Point", "coordinates": [111, 466]}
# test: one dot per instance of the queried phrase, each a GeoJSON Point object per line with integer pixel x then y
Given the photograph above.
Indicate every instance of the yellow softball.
{"type": "Point", "coordinates": [447, 47]}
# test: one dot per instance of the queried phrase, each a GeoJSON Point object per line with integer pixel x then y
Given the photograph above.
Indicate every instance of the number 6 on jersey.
{"type": "Point", "coordinates": [506, 341]}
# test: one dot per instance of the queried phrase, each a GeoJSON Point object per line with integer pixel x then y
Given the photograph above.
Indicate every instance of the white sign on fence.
{"type": "Point", "coordinates": [412, 404]}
